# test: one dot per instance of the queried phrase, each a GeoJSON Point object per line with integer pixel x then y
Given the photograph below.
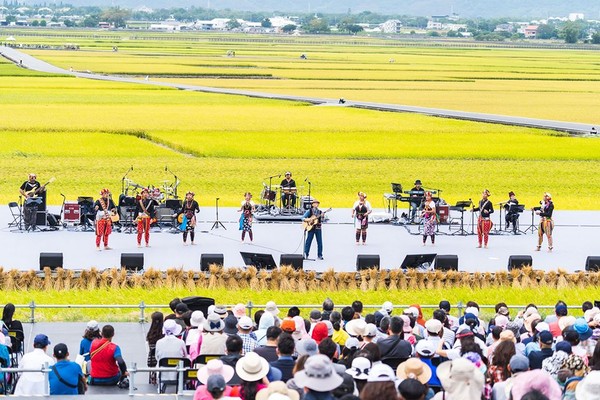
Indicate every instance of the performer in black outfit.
{"type": "Point", "coordinates": [189, 210]}
{"type": "Point", "coordinates": [288, 191]}
{"type": "Point", "coordinates": [484, 222]}
{"type": "Point", "coordinates": [30, 189]}
{"type": "Point", "coordinates": [418, 192]}
{"type": "Point", "coordinates": [512, 212]}
{"type": "Point", "coordinates": [103, 207]}
{"type": "Point", "coordinates": [144, 215]}
{"type": "Point", "coordinates": [546, 222]}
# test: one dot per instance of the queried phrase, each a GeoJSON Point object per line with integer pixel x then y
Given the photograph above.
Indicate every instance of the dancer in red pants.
{"type": "Point", "coordinates": [484, 223]}
{"type": "Point", "coordinates": [105, 212]}
{"type": "Point", "coordinates": [145, 216]}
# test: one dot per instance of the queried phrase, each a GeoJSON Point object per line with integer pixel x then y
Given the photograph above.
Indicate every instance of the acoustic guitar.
{"type": "Point", "coordinates": [309, 223]}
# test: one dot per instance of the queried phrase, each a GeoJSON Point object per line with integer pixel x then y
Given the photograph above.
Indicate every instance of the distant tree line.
{"type": "Point", "coordinates": [480, 29]}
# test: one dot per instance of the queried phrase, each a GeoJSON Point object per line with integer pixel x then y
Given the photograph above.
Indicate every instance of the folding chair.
{"type": "Point", "coordinates": [16, 349]}
{"type": "Point", "coordinates": [190, 378]}
{"type": "Point", "coordinates": [15, 212]}
{"type": "Point", "coordinates": [173, 377]}
{"type": "Point", "coordinates": [202, 359]}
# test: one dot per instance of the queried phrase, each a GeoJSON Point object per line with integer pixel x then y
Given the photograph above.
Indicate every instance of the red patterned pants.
{"type": "Point", "coordinates": [484, 226]}
{"type": "Point", "coordinates": [103, 229]}
{"type": "Point", "coordinates": [143, 227]}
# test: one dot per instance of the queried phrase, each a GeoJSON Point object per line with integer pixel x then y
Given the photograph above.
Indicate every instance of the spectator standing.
{"type": "Point", "coordinates": [66, 377]}
{"type": "Point", "coordinates": [107, 364]}
{"type": "Point", "coordinates": [154, 334]}
{"type": "Point", "coordinates": [33, 383]}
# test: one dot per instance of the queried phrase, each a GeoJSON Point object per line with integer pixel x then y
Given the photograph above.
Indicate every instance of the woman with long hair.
{"type": "Point", "coordinates": [154, 334]}
{"type": "Point", "coordinates": [252, 370]}
{"type": "Point", "coordinates": [498, 371]}
{"type": "Point", "coordinates": [13, 325]}
{"type": "Point", "coordinates": [429, 215]}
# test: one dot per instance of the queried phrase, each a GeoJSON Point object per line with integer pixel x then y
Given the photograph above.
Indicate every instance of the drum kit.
{"type": "Point", "coordinates": [273, 197]}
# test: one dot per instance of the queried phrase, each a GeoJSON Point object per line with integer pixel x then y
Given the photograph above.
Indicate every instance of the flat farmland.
{"type": "Point", "coordinates": [88, 133]}
{"type": "Point", "coordinates": [540, 83]}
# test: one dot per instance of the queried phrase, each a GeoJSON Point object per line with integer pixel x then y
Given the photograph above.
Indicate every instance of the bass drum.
{"type": "Point", "coordinates": [306, 202]}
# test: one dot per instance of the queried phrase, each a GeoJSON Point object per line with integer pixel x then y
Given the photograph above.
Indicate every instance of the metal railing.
{"type": "Point", "coordinates": [180, 369]}
{"type": "Point", "coordinates": [250, 307]}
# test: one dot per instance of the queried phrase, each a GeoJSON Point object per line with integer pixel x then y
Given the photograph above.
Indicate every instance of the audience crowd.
{"type": "Point", "coordinates": [343, 354]}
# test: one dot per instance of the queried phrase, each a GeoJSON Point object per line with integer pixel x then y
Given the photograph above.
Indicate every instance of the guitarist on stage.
{"type": "Point", "coordinates": [105, 209]}
{"type": "Point", "coordinates": [313, 219]}
{"type": "Point", "coordinates": [144, 215]}
{"type": "Point", "coordinates": [30, 190]}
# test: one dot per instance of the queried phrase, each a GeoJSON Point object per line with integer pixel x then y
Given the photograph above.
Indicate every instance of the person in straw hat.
{"type": "Point", "coordinates": [213, 367]}
{"type": "Point", "coordinates": [461, 380]}
{"type": "Point", "coordinates": [546, 223]}
{"type": "Point", "coordinates": [252, 370]}
{"type": "Point", "coordinates": [318, 378]}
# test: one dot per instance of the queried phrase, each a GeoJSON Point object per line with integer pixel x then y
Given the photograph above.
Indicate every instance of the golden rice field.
{"type": "Point", "coordinates": [551, 84]}
{"type": "Point", "coordinates": [88, 133]}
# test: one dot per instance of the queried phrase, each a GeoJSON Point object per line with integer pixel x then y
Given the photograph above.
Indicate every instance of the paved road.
{"type": "Point", "coordinates": [36, 64]}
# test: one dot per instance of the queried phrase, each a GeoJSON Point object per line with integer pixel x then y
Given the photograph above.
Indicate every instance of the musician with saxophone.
{"type": "Point", "coordinates": [106, 211]}
{"type": "Point", "coordinates": [484, 222]}
{"type": "Point", "coordinates": [546, 223]}
{"type": "Point", "coordinates": [31, 189]}
{"type": "Point", "coordinates": [145, 211]}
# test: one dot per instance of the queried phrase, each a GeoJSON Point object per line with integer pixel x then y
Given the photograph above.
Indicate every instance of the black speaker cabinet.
{"type": "Point", "coordinates": [367, 261]}
{"type": "Point", "coordinates": [197, 303]}
{"type": "Point", "coordinates": [259, 260]}
{"type": "Point", "coordinates": [296, 261]}
{"type": "Point", "coordinates": [207, 259]}
{"type": "Point", "coordinates": [446, 262]}
{"type": "Point", "coordinates": [592, 264]}
{"type": "Point", "coordinates": [132, 261]}
{"type": "Point", "coordinates": [52, 260]}
{"type": "Point", "coordinates": [516, 262]}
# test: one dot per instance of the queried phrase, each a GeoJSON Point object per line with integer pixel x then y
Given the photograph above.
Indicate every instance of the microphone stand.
{"type": "Point", "coordinates": [176, 182]}
{"type": "Point", "coordinates": [271, 184]}
{"type": "Point", "coordinates": [123, 179]}
{"type": "Point", "coordinates": [217, 222]}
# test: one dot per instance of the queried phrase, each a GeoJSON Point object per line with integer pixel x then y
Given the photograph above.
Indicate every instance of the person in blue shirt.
{"type": "Point", "coordinates": [313, 219]}
{"type": "Point", "coordinates": [66, 377]}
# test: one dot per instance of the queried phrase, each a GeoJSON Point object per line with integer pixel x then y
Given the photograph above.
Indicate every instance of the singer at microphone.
{"type": "Point", "coordinates": [288, 191]}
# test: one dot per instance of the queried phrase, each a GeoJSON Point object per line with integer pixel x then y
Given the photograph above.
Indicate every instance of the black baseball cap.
{"type": "Point", "coordinates": [61, 350]}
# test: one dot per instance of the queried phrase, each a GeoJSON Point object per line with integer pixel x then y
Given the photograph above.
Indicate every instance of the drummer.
{"type": "Point", "coordinates": [288, 191]}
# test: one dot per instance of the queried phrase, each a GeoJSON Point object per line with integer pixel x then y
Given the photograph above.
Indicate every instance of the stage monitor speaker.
{"type": "Point", "coordinates": [517, 262]}
{"type": "Point", "coordinates": [197, 303]}
{"type": "Point", "coordinates": [592, 264]}
{"type": "Point", "coordinates": [52, 260]}
{"type": "Point", "coordinates": [419, 261]}
{"type": "Point", "coordinates": [367, 261]}
{"type": "Point", "coordinates": [132, 261]}
{"type": "Point", "coordinates": [446, 262]}
{"type": "Point", "coordinates": [296, 261]}
{"type": "Point", "coordinates": [206, 260]}
{"type": "Point", "coordinates": [173, 204]}
{"type": "Point", "coordinates": [260, 261]}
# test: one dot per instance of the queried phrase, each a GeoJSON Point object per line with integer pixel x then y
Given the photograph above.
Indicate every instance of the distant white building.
{"type": "Point", "coordinates": [434, 25]}
{"type": "Point", "coordinates": [455, 27]}
{"type": "Point", "coordinates": [391, 26]}
{"type": "Point", "coordinates": [575, 16]}
{"type": "Point", "coordinates": [280, 22]}
{"type": "Point", "coordinates": [505, 28]}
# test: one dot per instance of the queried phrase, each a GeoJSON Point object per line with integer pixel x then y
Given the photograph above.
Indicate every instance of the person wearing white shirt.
{"type": "Point", "coordinates": [170, 346]}
{"type": "Point", "coordinates": [33, 383]}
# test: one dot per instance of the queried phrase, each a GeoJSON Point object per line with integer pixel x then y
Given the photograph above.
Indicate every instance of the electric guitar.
{"type": "Point", "coordinates": [31, 196]}
{"type": "Point", "coordinates": [309, 223]}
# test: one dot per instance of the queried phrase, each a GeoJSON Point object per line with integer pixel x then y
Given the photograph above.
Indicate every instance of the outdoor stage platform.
{"type": "Point", "coordinates": [575, 237]}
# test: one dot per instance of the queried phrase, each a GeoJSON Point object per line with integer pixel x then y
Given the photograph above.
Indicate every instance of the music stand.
{"type": "Point", "coordinates": [87, 210]}
{"type": "Point", "coordinates": [460, 206]}
{"type": "Point", "coordinates": [259, 260]}
{"type": "Point", "coordinates": [532, 226]}
{"type": "Point", "coordinates": [397, 190]}
{"type": "Point", "coordinates": [418, 261]}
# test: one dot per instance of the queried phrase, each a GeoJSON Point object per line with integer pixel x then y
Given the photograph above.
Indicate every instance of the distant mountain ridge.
{"type": "Point", "coordinates": [465, 8]}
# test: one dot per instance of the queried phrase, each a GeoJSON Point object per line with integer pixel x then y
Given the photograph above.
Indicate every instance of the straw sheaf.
{"type": "Point", "coordinates": [287, 279]}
